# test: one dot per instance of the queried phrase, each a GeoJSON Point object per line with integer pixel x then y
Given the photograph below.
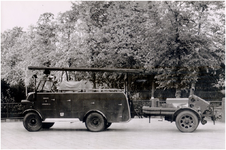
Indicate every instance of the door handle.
{"type": "Point", "coordinates": [53, 99]}
{"type": "Point", "coordinates": [120, 104]}
{"type": "Point", "coordinates": [69, 100]}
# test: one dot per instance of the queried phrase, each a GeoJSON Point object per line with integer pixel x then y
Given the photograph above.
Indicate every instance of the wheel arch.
{"type": "Point", "coordinates": [186, 109]}
{"type": "Point", "coordinates": [34, 111]}
{"type": "Point", "coordinates": [92, 111]}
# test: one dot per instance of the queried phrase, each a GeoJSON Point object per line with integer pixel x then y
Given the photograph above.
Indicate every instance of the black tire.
{"type": "Point", "coordinates": [187, 121]}
{"type": "Point", "coordinates": [47, 125]}
{"type": "Point", "coordinates": [95, 122]}
{"type": "Point", "coordinates": [108, 125]}
{"type": "Point", "coordinates": [32, 122]}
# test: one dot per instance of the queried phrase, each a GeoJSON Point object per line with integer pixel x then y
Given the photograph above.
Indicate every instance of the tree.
{"type": "Point", "coordinates": [115, 34]}
{"type": "Point", "coordinates": [45, 38]}
{"type": "Point", "coordinates": [11, 55]}
{"type": "Point", "coordinates": [179, 50]}
{"type": "Point", "coordinates": [180, 43]}
{"type": "Point", "coordinates": [71, 41]}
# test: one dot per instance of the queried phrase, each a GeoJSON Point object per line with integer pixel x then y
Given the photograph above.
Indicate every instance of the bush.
{"type": "Point", "coordinates": [13, 93]}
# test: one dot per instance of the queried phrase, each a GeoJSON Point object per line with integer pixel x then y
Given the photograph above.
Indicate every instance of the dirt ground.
{"type": "Point", "coordinates": [136, 134]}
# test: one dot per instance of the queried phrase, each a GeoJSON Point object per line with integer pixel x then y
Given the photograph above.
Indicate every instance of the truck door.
{"type": "Point", "coordinates": [46, 103]}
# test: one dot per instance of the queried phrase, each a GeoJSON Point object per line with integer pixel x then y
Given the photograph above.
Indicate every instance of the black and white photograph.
{"type": "Point", "coordinates": [113, 74]}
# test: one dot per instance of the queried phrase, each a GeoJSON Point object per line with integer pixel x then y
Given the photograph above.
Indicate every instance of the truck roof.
{"type": "Point", "coordinates": [87, 69]}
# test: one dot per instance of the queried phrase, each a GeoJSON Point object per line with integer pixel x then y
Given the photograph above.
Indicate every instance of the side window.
{"type": "Point", "coordinates": [41, 85]}
{"type": "Point", "coordinates": [48, 85]}
{"type": "Point", "coordinates": [45, 84]}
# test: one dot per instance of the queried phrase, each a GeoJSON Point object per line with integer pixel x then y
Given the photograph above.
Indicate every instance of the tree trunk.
{"type": "Point", "coordinates": [94, 80]}
{"type": "Point", "coordinates": [192, 90]}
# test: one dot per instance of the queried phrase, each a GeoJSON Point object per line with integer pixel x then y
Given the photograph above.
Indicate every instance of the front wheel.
{"type": "Point", "coordinates": [187, 121]}
{"type": "Point", "coordinates": [95, 122]}
{"type": "Point", "coordinates": [32, 122]}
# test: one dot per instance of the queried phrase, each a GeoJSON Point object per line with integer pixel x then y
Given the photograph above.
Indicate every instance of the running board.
{"type": "Point", "coordinates": [61, 120]}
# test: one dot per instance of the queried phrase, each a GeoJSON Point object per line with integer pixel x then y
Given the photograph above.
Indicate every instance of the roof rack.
{"type": "Point", "coordinates": [87, 69]}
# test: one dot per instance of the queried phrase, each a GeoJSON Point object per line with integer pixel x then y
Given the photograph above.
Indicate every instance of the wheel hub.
{"type": "Point", "coordinates": [33, 122]}
{"type": "Point", "coordinates": [95, 121]}
{"type": "Point", "coordinates": [186, 122]}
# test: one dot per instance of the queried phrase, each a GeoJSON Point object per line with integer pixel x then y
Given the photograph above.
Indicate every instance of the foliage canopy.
{"type": "Point", "coordinates": [179, 42]}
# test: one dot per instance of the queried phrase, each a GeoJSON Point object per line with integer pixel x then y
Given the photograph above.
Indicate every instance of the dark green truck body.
{"type": "Point", "coordinates": [113, 106]}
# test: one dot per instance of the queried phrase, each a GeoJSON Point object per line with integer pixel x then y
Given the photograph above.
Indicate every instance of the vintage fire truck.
{"type": "Point", "coordinates": [99, 109]}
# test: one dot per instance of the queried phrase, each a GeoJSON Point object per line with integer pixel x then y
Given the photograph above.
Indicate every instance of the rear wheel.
{"type": "Point", "coordinates": [32, 122]}
{"type": "Point", "coordinates": [187, 121]}
{"type": "Point", "coordinates": [48, 125]}
{"type": "Point", "coordinates": [95, 122]}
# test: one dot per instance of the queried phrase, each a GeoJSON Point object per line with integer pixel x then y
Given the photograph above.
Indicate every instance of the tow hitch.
{"type": "Point", "coordinates": [214, 117]}
{"type": "Point", "coordinates": [210, 112]}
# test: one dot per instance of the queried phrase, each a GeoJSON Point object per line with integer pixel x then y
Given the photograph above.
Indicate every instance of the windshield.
{"type": "Point", "coordinates": [45, 84]}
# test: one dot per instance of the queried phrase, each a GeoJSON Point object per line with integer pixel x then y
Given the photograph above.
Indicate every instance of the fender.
{"type": "Point", "coordinates": [33, 110]}
{"type": "Point", "coordinates": [187, 108]}
{"type": "Point", "coordinates": [90, 111]}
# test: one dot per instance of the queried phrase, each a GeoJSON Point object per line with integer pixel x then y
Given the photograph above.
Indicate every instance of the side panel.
{"type": "Point", "coordinates": [59, 105]}
{"type": "Point", "coordinates": [117, 108]}
{"type": "Point", "coordinates": [64, 103]}
{"type": "Point", "coordinates": [113, 105]}
{"type": "Point", "coordinates": [77, 105]}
